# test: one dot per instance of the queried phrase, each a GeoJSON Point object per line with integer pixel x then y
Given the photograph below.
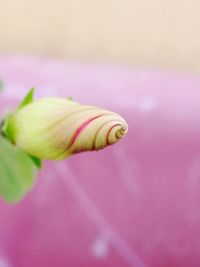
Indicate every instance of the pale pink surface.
{"type": "Point", "coordinates": [134, 204]}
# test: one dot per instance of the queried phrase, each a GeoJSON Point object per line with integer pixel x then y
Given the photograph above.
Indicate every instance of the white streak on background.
{"type": "Point", "coordinates": [4, 262]}
{"type": "Point", "coordinates": [124, 250]}
{"type": "Point", "coordinates": [100, 247]}
{"type": "Point", "coordinates": [129, 172]}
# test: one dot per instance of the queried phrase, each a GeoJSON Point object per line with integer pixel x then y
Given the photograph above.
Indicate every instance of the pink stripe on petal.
{"type": "Point", "coordinates": [81, 128]}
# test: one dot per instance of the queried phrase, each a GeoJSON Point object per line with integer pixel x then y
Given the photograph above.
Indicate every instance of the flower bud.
{"type": "Point", "coordinates": [54, 128]}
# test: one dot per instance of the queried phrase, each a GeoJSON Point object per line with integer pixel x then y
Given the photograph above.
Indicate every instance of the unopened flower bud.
{"type": "Point", "coordinates": [54, 128]}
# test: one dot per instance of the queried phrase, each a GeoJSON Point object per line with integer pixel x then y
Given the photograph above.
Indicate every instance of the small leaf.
{"type": "Point", "coordinates": [1, 85]}
{"type": "Point", "coordinates": [17, 172]}
{"type": "Point", "coordinates": [36, 161]}
{"type": "Point", "coordinates": [27, 99]}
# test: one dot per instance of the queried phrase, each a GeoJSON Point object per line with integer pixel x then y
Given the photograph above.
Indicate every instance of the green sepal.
{"type": "Point", "coordinates": [27, 99]}
{"type": "Point", "coordinates": [37, 162]}
{"type": "Point", "coordinates": [17, 172]}
{"type": "Point", "coordinates": [7, 128]}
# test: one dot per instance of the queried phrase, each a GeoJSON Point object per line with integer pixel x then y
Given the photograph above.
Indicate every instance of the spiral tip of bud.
{"type": "Point", "coordinates": [102, 131]}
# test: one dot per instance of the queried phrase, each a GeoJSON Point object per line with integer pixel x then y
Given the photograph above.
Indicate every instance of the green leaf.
{"type": "Point", "coordinates": [36, 161]}
{"type": "Point", "coordinates": [17, 172]}
{"type": "Point", "coordinates": [27, 99]}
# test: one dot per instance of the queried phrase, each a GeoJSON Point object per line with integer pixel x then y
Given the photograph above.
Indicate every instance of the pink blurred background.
{"type": "Point", "coordinates": [133, 204]}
